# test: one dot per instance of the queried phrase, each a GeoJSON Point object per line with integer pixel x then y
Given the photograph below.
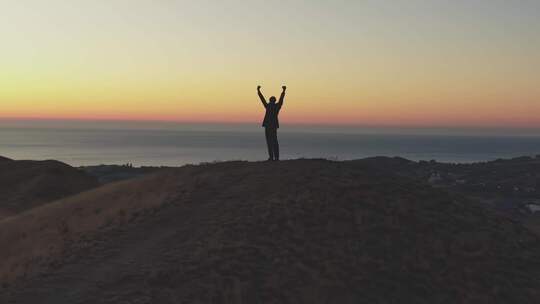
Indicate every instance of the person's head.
{"type": "Point", "coordinates": [273, 99]}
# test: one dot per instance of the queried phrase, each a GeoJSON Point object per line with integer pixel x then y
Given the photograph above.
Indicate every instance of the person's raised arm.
{"type": "Point", "coordinates": [282, 97]}
{"type": "Point", "coordinates": [261, 96]}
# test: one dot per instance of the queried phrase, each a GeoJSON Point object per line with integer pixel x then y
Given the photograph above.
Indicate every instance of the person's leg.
{"type": "Point", "coordinates": [268, 134]}
{"type": "Point", "coordinates": [276, 146]}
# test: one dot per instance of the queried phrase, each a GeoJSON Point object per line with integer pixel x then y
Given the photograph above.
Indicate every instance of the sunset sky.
{"type": "Point", "coordinates": [411, 63]}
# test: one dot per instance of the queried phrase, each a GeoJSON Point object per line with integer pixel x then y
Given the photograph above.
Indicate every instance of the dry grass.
{"type": "Point", "coordinates": [33, 238]}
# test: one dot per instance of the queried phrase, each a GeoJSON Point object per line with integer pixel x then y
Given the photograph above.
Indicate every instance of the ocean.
{"type": "Point", "coordinates": [169, 144]}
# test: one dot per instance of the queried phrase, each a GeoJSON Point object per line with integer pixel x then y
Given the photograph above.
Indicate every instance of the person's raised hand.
{"type": "Point", "coordinates": [258, 87]}
{"type": "Point", "coordinates": [284, 88]}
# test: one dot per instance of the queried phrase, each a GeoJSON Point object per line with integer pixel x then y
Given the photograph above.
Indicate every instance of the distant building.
{"type": "Point", "coordinates": [534, 208]}
{"type": "Point", "coordinates": [435, 178]}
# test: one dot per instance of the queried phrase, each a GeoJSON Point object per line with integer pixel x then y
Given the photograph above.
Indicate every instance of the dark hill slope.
{"type": "Point", "coordinates": [303, 231]}
{"type": "Point", "coordinates": [27, 184]}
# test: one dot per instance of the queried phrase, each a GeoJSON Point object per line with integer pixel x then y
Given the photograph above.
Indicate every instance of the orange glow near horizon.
{"type": "Point", "coordinates": [369, 63]}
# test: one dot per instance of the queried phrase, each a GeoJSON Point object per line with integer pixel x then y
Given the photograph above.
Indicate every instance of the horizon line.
{"type": "Point", "coordinates": [246, 122]}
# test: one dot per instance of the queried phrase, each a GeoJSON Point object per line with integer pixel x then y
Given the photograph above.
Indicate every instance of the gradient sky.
{"type": "Point", "coordinates": [413, 63]}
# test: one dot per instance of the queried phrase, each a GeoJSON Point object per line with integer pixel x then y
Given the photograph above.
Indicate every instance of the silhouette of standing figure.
{"type": "Point", "coordinates": [271, 122]}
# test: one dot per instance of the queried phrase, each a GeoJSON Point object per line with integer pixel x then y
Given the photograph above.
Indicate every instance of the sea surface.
{"type": "Point", "coordinates": [146, 144]}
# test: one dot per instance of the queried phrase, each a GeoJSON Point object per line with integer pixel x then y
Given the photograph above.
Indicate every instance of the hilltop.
{"type": "Point", "coordinates": [27, 184]}
{"type": "Point", "coordinates": [302, 231]}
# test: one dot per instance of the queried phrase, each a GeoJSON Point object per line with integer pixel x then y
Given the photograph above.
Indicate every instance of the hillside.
{"type": "Point", "coordinates": [510, 186]}
{"type": "Point", "coordinates": [27, 184]}
{"type": "Point", "coordinates": [303, 231]}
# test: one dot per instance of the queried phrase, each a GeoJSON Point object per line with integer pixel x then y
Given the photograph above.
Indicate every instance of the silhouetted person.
{"type": "Point", "coordinates": [271, 122]}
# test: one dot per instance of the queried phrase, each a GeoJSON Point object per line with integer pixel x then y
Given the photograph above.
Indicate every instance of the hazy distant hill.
{"type": "Point", "coordinates": [2, 159]}
{"type": "Point", "coordinates": [27, 184]}
{"type": "Point", "coordinates": [304, 231]}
